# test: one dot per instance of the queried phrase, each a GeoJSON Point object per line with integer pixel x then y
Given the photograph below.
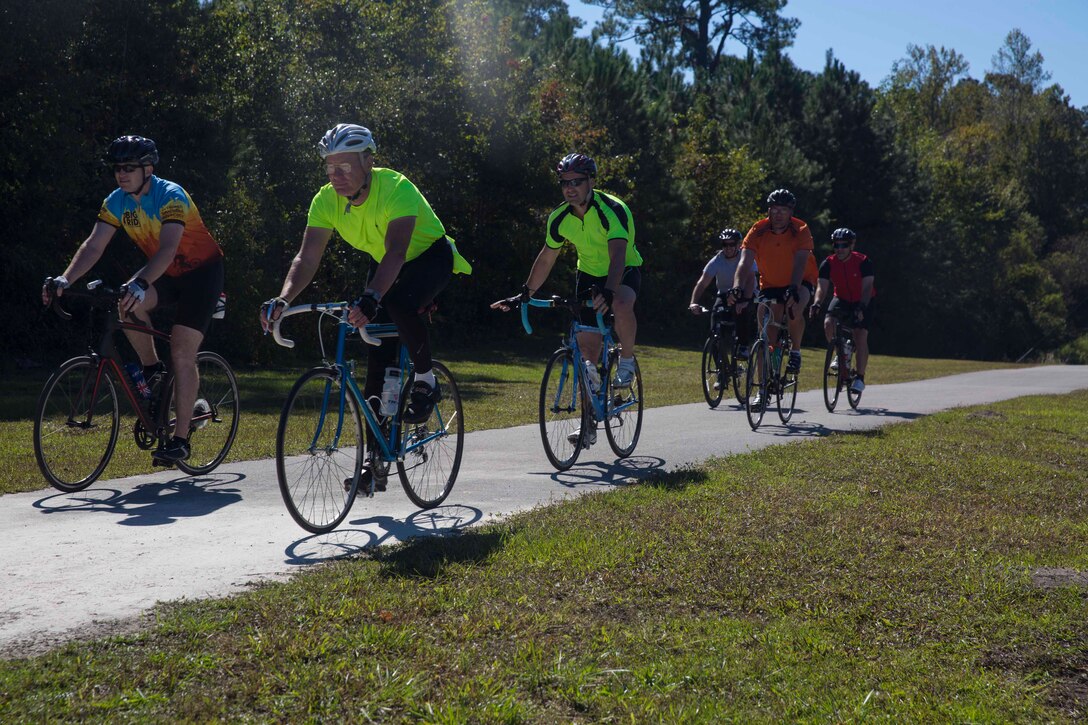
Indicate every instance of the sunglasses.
{"type": "Point", "coordinates": [126, 168]}
{"type": "Point", "coordinates": [841, 245]}
{"type": "Point", "coordinates": [344, 168]}
{"type": "Point", "coordinates": [564, 183]}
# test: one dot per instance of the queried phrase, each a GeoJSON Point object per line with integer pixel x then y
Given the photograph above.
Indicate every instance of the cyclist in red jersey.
{"type": "Point", "coordinates": [781, 246]}
{"type": "Point", "coordinates": [849, 276]}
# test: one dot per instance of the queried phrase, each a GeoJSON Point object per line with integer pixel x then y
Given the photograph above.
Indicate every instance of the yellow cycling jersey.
{"type": "Point", "coordinates": [392, 196]}
{"type": "Point", "coordinates": [606, 218]}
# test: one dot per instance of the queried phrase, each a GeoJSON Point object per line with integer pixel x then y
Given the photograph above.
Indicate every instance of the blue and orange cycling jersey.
{"type": "Point", "coordinates": [606, 218]}
{"type": "Point", "coordinates": [164, 203]}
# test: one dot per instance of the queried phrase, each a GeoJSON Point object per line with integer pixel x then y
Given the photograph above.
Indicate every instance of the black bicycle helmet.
{"type": "Point", "coordinates": [132, 149]}
{"type": "Point", "coordinates": [578, 163]}
{"type": "Point", "coordinates": [781, 197]}
{"type": "Point", "coordinates": [729, 234]}
{"type": "Point", "coordinates": [843, 233]}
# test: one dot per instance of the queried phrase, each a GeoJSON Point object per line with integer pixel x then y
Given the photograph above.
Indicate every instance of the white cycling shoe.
{"type": "Point", "coordinates": [591, 437]}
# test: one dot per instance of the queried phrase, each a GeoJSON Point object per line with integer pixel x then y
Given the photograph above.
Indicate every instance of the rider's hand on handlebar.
{"type": "Point", "coordinates": [508, 303]}
{"type": "Point", "coordinates": [133, 293]}
{"type": "Point", "coordinates": [365, 309]}
{"type": "Point", "coordinates": [271, 311]}
{"type": "Point", "coordinates": [602, 301]}
{"type": "Point", "coordinates": [816, 311]}
{"type": "Point", "coordinates": [696, 309]}
{"type": "Point", "coordinates": [54, 285]}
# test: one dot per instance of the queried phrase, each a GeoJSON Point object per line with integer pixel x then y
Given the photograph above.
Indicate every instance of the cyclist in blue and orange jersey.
{"type": "Point", "coordinates": [781, 245]}
{"type": "Point", "coordinates": [848, 276]}
{"type": "Point", "coordinates": [722, 269]}
{"type": "Point", "coordinates": [380, 212]}
{"type": "Point", "coordinates": [602, 231]}
{"type": "Point", "coordinates": [184, 266]}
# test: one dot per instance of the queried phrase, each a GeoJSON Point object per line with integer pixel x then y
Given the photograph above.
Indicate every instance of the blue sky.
{"type": "Point", "coordinates": [868, 36]}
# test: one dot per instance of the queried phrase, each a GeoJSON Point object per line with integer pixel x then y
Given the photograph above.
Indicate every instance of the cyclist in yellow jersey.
{"type": "Point", "coordinates": [380, 212]}
{"type": "Point", "coordinates": [602, 231]}
{"type": "Point", "coordinates": [184, 266]}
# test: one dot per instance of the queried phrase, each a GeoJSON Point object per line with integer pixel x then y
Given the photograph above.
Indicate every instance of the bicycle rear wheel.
{"type": "Point", "coordinates": [432, 449]}
{"type": "Point", "coordinates": [787, 395]}
{"type": "Point", "coordinates": [623, 410]}
{"type": "Point", "coordinates": [756, 384]}
{"type": "Point", "coordinates": [215, 415]}
{"type": "Point", "coordinates": [75, 425]}
{"type": "Point", "coordinates": [712, 372]}
{"type": "Point", "coordinates": [852, 396]}
{"type": "Point", "coordinates": [319, 452]}
{"type": "Point", "coordinates": [832, 378]}
{"type": "Point", "coordinates": [562, 413]}
{"type": "Point", "coordinates": [738, 372]}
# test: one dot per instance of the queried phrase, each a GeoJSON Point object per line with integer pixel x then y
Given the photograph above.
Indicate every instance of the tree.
{"type": "Point", "coordinates": [693, 33]}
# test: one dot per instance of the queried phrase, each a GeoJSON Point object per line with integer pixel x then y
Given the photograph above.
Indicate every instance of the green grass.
{"type": "Point", "coordinates": [883, 575]}
{"type": "Point", "coordinates": [499, 387]}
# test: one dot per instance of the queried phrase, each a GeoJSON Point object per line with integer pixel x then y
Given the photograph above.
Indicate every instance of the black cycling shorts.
{"type": "Point", "coordinates": [845, 312]}
{"type": "Point", "coordinates": [194, 293]}
{"type": "Point", "coordinates": [632, 277]}
{"type": "Point", "coordinates": [778, 294]}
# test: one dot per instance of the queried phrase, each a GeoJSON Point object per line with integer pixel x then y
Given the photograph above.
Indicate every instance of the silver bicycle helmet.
{"type": "Point", "coordinates": [345, 137]}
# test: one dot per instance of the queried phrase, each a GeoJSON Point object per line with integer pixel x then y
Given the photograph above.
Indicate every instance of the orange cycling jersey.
{"type": "Point", "coordinates": [774, 252]}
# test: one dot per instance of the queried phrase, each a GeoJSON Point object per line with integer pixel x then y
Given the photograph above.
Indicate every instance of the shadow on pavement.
{"type": "Point", "coordinates": [618, 473]}
{"type": "Point", "coordinates": [372, 532]}
{"type": "Point", "coordinates": [152, 504]}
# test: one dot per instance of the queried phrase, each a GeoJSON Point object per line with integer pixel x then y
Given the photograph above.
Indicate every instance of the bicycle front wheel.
{"type": "Point", "coordinates": [215, 415]}
{"type": "Point", "coordinates": [319, 450]}
{"type": "Point", "coordinates": [713, 379]}
{"type": "Point", "coordinates": [563, 418]}
{"type": "Point", "coordinates": [75, 425]}
{"type": "Point", "coordinates": [755, 389]}
{"type": "Point", "coordinates": [787, 395]}
{"type": "Point", "coordinates": [623, 410]}
{"type": "Point", "coordinates": [832, 377]}
{"type": "Point", "coordinates": [432, 449]}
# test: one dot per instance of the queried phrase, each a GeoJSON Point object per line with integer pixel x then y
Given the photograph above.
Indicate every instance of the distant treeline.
{"type": "Point", "coordinates": [970, 194]}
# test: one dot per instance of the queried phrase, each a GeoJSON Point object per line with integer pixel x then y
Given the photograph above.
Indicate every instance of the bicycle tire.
{"type": "Point", "coordinates": [72, 455]}
{"type": "Point", "coordinates": [787, 395]}
{"type": "Point", "coordinates": [623, 410]}
{"type": "Point", "coordinates": [431, 450]}
{"type": "Point", "coordinates": [757, 359]}
{"type": "Point", "coordinates": [561, 410]}
{"type": "Point", "coordinates": [712, 372]}
{"type": "Point", "coordinates": [852, 396]}
{"type": "Point", "coordinates": [312, 464]}
{"type": "Point", "coordinates": [832, 378]}
{"type": "Point", "coordinates": [215, 414]}
{"type": "Point", "coordinates": [738, 372]}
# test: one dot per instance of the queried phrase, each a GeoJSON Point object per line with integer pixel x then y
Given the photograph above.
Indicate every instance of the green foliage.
{"type": "Point", "coordinates": [968, 195]}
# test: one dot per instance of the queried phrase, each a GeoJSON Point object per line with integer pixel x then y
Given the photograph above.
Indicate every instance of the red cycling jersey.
{"type": "Point", "coordinates": [846, 276]}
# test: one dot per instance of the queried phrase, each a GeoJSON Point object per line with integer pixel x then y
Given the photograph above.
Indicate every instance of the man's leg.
{"type": "Point", "coordinates": [144, 344]}
{"type": "Point", "coordinates": [626, 326]}
{"type": "Point", "coordinates": [861, 342]}
{"type": "Point", "coordinates": [184, 345]}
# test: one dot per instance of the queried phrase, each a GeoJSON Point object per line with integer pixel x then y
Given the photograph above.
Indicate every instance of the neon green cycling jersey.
{"type": "Point", "coordinates": [392, 196]}
{"type": "Point", "coordinates": [606, 218]}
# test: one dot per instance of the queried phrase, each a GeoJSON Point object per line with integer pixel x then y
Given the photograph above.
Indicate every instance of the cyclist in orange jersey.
{"type": "Point", "coordinates": [781, 246]}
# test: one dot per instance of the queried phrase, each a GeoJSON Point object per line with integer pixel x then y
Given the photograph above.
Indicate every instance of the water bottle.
{"type": "Point", "coordinates": [391, 391]}
{"type": "Point", "coordinates": [220, 307]}
{"type": "Point", "coordinates": [847, 351]}
{"type": "Point", "coordinates": [136, 375]}
{"type": "Point", "coordinates": [776, 358]}
{"type": "Point", "coordinates": [592, 377]}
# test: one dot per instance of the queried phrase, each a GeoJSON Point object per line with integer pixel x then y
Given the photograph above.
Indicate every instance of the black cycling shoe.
{"type": "Point", "coordinates": [174, 450]}
{"type": "Point", "coordinates": [422, 403]}
{"type": "Point", "coordinates": [380, 479]}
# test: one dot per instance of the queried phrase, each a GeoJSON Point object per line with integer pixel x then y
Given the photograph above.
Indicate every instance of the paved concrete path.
{"type": "Point", "coordinates": [73, 564]}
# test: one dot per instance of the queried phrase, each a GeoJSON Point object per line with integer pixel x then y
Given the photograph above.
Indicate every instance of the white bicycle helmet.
{"type": "Point", "coordinates": [345, 137]}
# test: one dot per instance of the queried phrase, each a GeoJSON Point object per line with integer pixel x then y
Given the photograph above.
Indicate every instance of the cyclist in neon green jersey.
{"type": "Point", "coordinates": [380, 212]}
{"type": "Point", "coordinates": [602, 231]}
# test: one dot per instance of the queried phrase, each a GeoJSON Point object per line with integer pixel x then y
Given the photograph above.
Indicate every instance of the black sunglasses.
{"type": "Point", "coordinates": [841, 245]}
{"type": "Point", "coordinates": [127, 168]}
{"type": "Point", "coordinates": [563, 183]}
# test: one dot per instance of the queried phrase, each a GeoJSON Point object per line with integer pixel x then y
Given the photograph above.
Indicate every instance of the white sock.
{"type": "Point", "coordinates": [627, 362]}
{"type": "Point", "coordinates": [427, 377]}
